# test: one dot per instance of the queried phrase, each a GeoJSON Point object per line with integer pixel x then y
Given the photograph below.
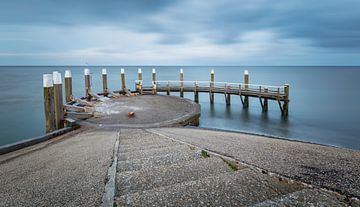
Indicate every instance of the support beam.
{"type": "Point", "coordinates": [181, 83]}
{"type": "Point", "coordinates": [196, 93]}
{"type": "Point", "coordinates": [104, 82]}
{"type": "Point", "coordinates": [68, 86]}
{"type": "Point", "coordinates": [58, 101]}
{"type": "Point", "coordinates": [168, 88]}
{"type": "Point", "coordinates": [265, 107]}
{"type": "Point", "coordinates": [246, 87]}
{"type": "Point", "coordinates": [286, 100]}
{"type": "Point", "coordinates": [49, 109]}
{"type": "Point", "coordinates": [227, 95]}
{"type": "Point", "coordinates": [212, 80]}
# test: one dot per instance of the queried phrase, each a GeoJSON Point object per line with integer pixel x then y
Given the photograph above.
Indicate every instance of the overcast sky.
{"type": "Point", "coordinates": [180, 32]}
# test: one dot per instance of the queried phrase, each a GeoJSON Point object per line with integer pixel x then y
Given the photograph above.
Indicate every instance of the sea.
{"type": "Point", "coordinates": [324, 103]}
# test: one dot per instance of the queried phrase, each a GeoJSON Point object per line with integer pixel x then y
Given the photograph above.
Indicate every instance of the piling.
{"type": "Point", "coordinates": [139, 85]}
{"type": "Point", "coordinates": [49, 103]}
{"type": "Point", "coordinates": [123, 86]}
{"type": "Point", "coordinates": [58, 100]}
{"type": "Point", "coordinates": [227, 95]}
{"type": "Point", "coordinates": [154, 80]}
{"type": "Point", "coordinates": [246, 86]}
{"type": "Point", "coordinates": [196, 93]}
{"type": "Point", "coordinates": [87, 84]}
{"type": "Point", "coordinates": [68, 86]}
{"type": "Point", "coordinates": [286, 100]}
{"type": "Point", "coordinates": [104, 82]}
{"type": "Point", "coordinates": [181, 83]}
{"type": "Point", "coordinates": [265, 106]}
{"type": "Point", "coordinates": [212, 80]}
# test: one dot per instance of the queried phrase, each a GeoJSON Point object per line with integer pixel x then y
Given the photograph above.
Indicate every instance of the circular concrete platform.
{"type": "Point", "coordinates": [150, 111]}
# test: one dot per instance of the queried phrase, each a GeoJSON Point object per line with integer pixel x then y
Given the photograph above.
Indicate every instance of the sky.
{"type": "Point", "coordinates": [179, 32]}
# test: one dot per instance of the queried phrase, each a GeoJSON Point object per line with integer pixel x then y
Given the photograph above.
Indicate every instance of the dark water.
{"type": "Point", "coordinates": [323, 108]}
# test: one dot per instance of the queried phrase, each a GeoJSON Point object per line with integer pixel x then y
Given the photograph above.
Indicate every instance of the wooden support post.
{"type": "Point", "coordinates": [168, 88]}
{"type": "Point", "coordinates": [104, 82]}
{"type": "Point", "coordinates": [139, 86]}
{"type": "Point", "coordinates": [212, 80]}
{"type": "Point", "coordinates": [286, 101]}
{"type": "Point", "coordinates": [246, 87]}
{"type": "Point", "coordinates": [154, 80]}
{"type": "Point", "coordinates": [181, 83]}
{"type": "Point", "coordinates": [196, 93]}
{"type": "Point", "coordinates": [227, 95]}
{"type": "Point", "coordinates": [123, 84]}
{"type": "Point", "coordinates": [58, 101]}
{"type": "Point", "coordinates": [68, 86]}
{"type": "Point", "coordinates": [87, 84]}
{"type": "Point", "coordinates": [49, 103]}
{"type": "Point", "coordinates": [265, 104]}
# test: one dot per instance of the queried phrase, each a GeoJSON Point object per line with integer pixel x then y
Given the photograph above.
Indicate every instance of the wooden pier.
{"type": "Point", "coordinates": [243, 90]}
{"type": "Point", "coordinates": [55, 111]}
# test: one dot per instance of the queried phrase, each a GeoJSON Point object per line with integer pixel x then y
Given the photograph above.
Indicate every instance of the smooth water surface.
{"type": "Point", "coordinates": [323, 100]}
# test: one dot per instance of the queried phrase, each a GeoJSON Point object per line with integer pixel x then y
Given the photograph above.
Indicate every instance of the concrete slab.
{"type": "Point", "coordinates": [150, 111]}
{"type": "Point", "coordinates": [68, 172]}
{"type": "Point", "coordinates": [333, 168]}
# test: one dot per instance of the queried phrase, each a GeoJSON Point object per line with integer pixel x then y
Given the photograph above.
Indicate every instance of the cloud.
{"type": "Point", "coordinates": [187, 31]}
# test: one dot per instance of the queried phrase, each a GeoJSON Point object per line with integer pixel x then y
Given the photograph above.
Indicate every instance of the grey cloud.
{"type": "Point", "coordinates": [328, 24]}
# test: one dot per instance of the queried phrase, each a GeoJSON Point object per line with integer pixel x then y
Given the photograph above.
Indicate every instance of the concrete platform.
{"type": "Point", "coordinates": [150, 111]}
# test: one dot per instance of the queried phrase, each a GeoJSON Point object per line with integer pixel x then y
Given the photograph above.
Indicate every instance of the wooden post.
{"type": "Point", "coordinates": [181, 83]}
{"type": "Point", "coordinates": [87, 84]}
{"type": "Point", "coordinates": [154, 80]}
{"type": "Point", "coordinates": [227, 95]}
{"type": "Point", "coordinates": [196, 93]}
{"type": "Point", "coordinates": [123, 86]}
{"type": "Point", "coordinates": [49, 103]}
{"type": "Point", "coordinates": [168, 88]}
{"type": "Point", "coordinates": [266, 105]}
{"type": "Point", "coordinates": [212, 80]}
{"type": "Point", "coordinates": [68, 86]}
{"type": "Point", "coordinates": [58, 100]}
{"type": "Point", "coordinates": [286, 101]}
{"type": "Point", "coordinates": [246, 82]}
{"type": "Point", "coordinates": [139, 87]}
{"type": "Point", "coordinates": [104, 81]}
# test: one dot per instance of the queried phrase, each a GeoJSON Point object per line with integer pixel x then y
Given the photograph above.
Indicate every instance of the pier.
{"type": "Point", "coordinates": [142, 148]}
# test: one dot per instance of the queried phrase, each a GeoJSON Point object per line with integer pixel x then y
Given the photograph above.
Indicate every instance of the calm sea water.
{"type": "Point", "coordinates": [324, 105]}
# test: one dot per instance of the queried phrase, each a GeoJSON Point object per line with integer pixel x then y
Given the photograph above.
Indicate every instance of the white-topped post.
{"type": "Point", "coordinates": [104, 82]}
{"type": "Point", "coordinates": [123, 86]}
{"type": "Point", "coordinates": [246, 85]}
{"type": "Point", "coordinates": [154, 80]}
{"type": "Point", "coordinates": [58, 100]}
{"type": "Point", "coordinates": [87, 83]}
{"type": "Point", "coordinates": [212, 80]}
{"type": "Point", "coordinates": [49, 103]}
{"type": "Point", "coordinates": [181, 83]}
{"type": "Point", "coordinates": [68, 86]}
{"type": "Point", "coordinates": [139, 85]}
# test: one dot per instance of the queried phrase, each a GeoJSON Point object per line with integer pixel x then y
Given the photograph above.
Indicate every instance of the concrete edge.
{"type": "Point", "coordinates": [32, 141]}
{"type": "Point", "coordinates": [269, 136]}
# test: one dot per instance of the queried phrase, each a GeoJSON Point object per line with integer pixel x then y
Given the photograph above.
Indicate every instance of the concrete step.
{"type": "Point", "coordinates": [131, 182]}
{"type": "Point", "coordinates": [307, 197]}
{"type": "Point", "coordinates": [138, 154]}
{"type": "Point", "coordinates": [158, 160]}
{"type": "Point", "coordinates": [240, 188]}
